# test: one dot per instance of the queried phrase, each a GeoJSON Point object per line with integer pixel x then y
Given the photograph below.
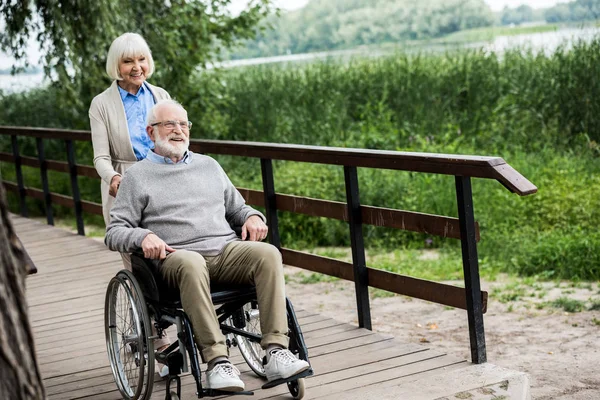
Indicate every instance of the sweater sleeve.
{"type": "Point", "coordinates": [123, 233]}
{"type": "Point", "coordinates": [236, 209]}
{"type": "Point", "coordinates": [101, 144]}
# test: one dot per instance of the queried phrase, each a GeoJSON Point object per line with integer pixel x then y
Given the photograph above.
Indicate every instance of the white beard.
{"type": "Point", "coordinates": [170, 149]}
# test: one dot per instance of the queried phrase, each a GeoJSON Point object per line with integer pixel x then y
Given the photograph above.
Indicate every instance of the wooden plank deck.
{"type": "Point", "coordinates": [66, 306]}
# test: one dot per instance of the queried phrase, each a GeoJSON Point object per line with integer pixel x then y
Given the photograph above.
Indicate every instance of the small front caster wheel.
{"type": "Point", "coordinates": [172, 396]}
{"type": "Point", "coordinates": [296, 388]}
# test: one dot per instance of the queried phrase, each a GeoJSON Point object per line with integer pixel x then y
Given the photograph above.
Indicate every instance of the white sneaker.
{"type": "Point", "coordinates": [282, 364]}
{"type": "Point", "coordinates": [162, 370]}
{"type": "Point", "coordinates": [224, 376]}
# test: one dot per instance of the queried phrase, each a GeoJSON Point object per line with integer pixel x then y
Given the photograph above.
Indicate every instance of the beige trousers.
{"type": "Point", "coordinates": [240, 262]}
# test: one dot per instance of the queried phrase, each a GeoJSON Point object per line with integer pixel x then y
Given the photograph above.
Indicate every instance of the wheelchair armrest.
{"type": "Point", "coordinates": [151, 282]}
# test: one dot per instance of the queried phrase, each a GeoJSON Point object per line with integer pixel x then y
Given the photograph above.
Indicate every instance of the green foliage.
{"type": "Point", "coordinates": [511, 292]}
{"type": "Point", "coordinates": [516, 16]}
{"type": "Point", "coordinates": [538, 112]}
{"type": "Point", "coordinates": [594, 305]}
{"type": "Point", "coordinates": [489, 33]}
{"type": "Point", "coordinates": [341, 24]}
{"type": "Point", "coordinates": [316, 278]}
{"type": "Point", "coordinates": [75, 37]}
{"type": "Point", "coordinates": [569, 305]}
{"type": "Point", "coordinates": [574, 11]}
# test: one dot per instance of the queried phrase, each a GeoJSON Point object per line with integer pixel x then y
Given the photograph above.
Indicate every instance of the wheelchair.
{"type": "Point", "coordinates": [134, 299]}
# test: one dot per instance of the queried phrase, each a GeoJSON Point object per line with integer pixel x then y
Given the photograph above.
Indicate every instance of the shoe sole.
{"type": "Point", "coordinates": [273, 378]}
{"type": "Point", "coordinates": [228, 388]}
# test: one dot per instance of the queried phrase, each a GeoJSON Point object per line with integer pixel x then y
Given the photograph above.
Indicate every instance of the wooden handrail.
{"type": "Point", "coordinates": [445, 164]}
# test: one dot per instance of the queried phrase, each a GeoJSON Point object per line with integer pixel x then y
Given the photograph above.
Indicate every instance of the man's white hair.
{"type": "Point", "coordinates": [151, 118]}
{"type": "Point", "coordinates": [127, 45]}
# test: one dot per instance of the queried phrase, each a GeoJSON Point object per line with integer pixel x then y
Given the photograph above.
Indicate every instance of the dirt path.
{"type": "Point", "coordinates": [524, 330]}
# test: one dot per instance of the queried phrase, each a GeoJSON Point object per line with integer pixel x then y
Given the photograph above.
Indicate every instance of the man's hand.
{"type": "Point", "coordinates": [255, 229]}
{"type": "Point", "coordinates": [155, 248]}
{"type": "Point", "coordinates": [114, 185]}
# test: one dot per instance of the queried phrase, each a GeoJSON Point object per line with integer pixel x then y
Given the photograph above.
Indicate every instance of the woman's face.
{"type": "Point", "coordinates": [133, 70]}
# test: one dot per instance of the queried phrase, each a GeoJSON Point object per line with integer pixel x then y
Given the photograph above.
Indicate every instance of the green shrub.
{"type": "Point", "coordinates": [538, 112]}
{"type": "Point", "coordinates": [567, 304]}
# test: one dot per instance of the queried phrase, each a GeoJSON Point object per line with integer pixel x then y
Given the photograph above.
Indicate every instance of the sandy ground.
{"type": "Point", "coordinates": [559, 350]}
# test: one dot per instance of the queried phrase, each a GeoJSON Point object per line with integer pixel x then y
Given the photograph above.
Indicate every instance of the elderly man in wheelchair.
{"type": "Point", "coordinates": [175, 211]}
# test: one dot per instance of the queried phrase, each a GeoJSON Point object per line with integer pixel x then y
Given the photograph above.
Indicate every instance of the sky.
{"type": "Point", "coordinates": [496, 5]}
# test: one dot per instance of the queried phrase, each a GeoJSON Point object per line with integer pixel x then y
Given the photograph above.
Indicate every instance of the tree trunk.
{"type": "Point", "coordinates": [20, 377]}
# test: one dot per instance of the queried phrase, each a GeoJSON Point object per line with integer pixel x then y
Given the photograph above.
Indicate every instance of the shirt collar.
{"type": "Point", "coordinates": [158, 159]}
{"type": "Point", "coordinates": [124, 93]}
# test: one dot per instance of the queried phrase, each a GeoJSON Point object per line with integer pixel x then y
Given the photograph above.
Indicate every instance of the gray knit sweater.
{"type": "Point", "coordinates": [189, 206]}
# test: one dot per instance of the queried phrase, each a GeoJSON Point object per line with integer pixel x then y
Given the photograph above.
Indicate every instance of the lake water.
{"type": "Point", "coordinates": [547, 42]}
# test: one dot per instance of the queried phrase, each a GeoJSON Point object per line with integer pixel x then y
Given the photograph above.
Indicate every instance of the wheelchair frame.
{"type": "Point", "coordinates": [163, 305]}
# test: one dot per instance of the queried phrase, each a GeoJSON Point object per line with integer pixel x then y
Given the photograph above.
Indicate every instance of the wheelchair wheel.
{"type": "Point", "coordinates": [252, 352]}
{"type": "Point", "coordinates": [127, 325]}
{"type": "Point", "coordinates": [296, 388]}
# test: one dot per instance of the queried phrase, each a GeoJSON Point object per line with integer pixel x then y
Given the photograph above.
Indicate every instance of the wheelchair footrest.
{"type": "Point", "coordinates": [217, 392]}
{"type": "Point", "coordinates": [276, 382]}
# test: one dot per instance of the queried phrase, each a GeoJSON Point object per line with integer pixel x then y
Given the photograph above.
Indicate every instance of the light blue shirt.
{"type": "Point", "coordinates": [155, 158]}
{"type": "Point", "coordinates": [137, 107]}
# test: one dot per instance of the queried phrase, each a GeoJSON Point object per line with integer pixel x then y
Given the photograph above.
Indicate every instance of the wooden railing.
{"type": "Point", "coordinates": [470, 298]}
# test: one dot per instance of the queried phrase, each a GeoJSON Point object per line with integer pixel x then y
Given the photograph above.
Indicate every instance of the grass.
{"type": "Point", "coordinates": [568, 304]}
{"type": "Point", "coordinates": [594, 305]}
{"type": "Point", "coordinates": [510, 293]}
{"type": "Point", "coordinates": [437, 265]}
{"type": "Point", "coordinates": [489, 33]}
{"type": "Point", "coordinates": [316, 277]}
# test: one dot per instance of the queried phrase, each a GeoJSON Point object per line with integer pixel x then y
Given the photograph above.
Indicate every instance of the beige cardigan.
{"type": "Point", "coordinates": [113, 152]}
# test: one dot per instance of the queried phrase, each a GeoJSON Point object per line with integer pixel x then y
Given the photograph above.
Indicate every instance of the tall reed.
{"type": "Point", "coordinates": [540, 112]}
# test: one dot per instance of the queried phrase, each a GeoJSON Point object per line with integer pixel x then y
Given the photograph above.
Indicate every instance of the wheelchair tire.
{"type": "Point", "coordinates": [252, 352]}
{"type": "Point", "coordinates": [127, 327]}
{"type": "Point", "coordinates": [297, 388]}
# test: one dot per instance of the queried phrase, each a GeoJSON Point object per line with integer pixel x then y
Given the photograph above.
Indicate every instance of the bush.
{"type": "Point", "coordinates": [538, 112]}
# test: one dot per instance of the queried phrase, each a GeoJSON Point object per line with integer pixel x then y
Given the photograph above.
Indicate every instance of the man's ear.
{"type": "Point", "coordinates": [150, 132]}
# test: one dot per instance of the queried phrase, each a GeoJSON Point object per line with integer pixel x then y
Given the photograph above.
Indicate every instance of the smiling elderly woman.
{"type": "Point", "coordinates": [118, 122]}
{"type": "Point", "coordinates": [118, 115]}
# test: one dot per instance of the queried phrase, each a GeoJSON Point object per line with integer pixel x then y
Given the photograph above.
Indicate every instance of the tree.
{"type": "Point", "coordinates": [340, 24]}
{"type": "Point", "coordinates": [517, 15]}
{"type": "Point", "coordinates": [20, 378]}
{"type": "Point", "coordinates": [559, 13]}
{"type": "Point", "coordinates": [579, 10]}
{"type": "Point", "coordinates": [75, 36]}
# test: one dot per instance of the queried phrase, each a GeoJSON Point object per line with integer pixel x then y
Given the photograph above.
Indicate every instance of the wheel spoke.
{"type": "Point", "coordinates": [126, 336]}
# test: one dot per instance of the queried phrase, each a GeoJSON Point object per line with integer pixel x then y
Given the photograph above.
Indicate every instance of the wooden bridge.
{"type": "Point", "coordinates": [66, 297]}
{"type": "Point", "coordinates": [66, 310]}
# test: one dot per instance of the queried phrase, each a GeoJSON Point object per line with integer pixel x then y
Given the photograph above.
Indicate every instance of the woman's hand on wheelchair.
{"type": "Point", "coordinates": [115, 182]}
{"type": "Point", "coordinates": [254, 229]}
{"type": "Point", "coordinates": [155, 248]}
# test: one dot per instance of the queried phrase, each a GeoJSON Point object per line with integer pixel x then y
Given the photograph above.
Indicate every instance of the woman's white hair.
{"type": "Point", "coordinates": [151, 118]}
{"type": "Point", "coordinates": [127, 45]}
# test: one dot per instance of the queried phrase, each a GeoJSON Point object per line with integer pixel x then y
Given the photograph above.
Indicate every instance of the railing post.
{"type": "Point", "coordinates": [44, 175]}
{"type": "Point", "coordinates": [19, 170]}
{"type": "Point", "coordinates": [75, 187]}
{"type": "Point", "coordinates": [266, 167]}
{"type": "Point", "coordinates": [361, 277]}
{"type": "Point", "coordinates": [464, 197]}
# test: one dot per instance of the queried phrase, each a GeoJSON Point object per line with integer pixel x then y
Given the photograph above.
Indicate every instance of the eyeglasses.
{"type": "Point", "coordinates": [170, 125]}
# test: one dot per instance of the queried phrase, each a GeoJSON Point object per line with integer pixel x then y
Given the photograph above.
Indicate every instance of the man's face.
{"type": "Point", "coordinates": [171, 136]}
